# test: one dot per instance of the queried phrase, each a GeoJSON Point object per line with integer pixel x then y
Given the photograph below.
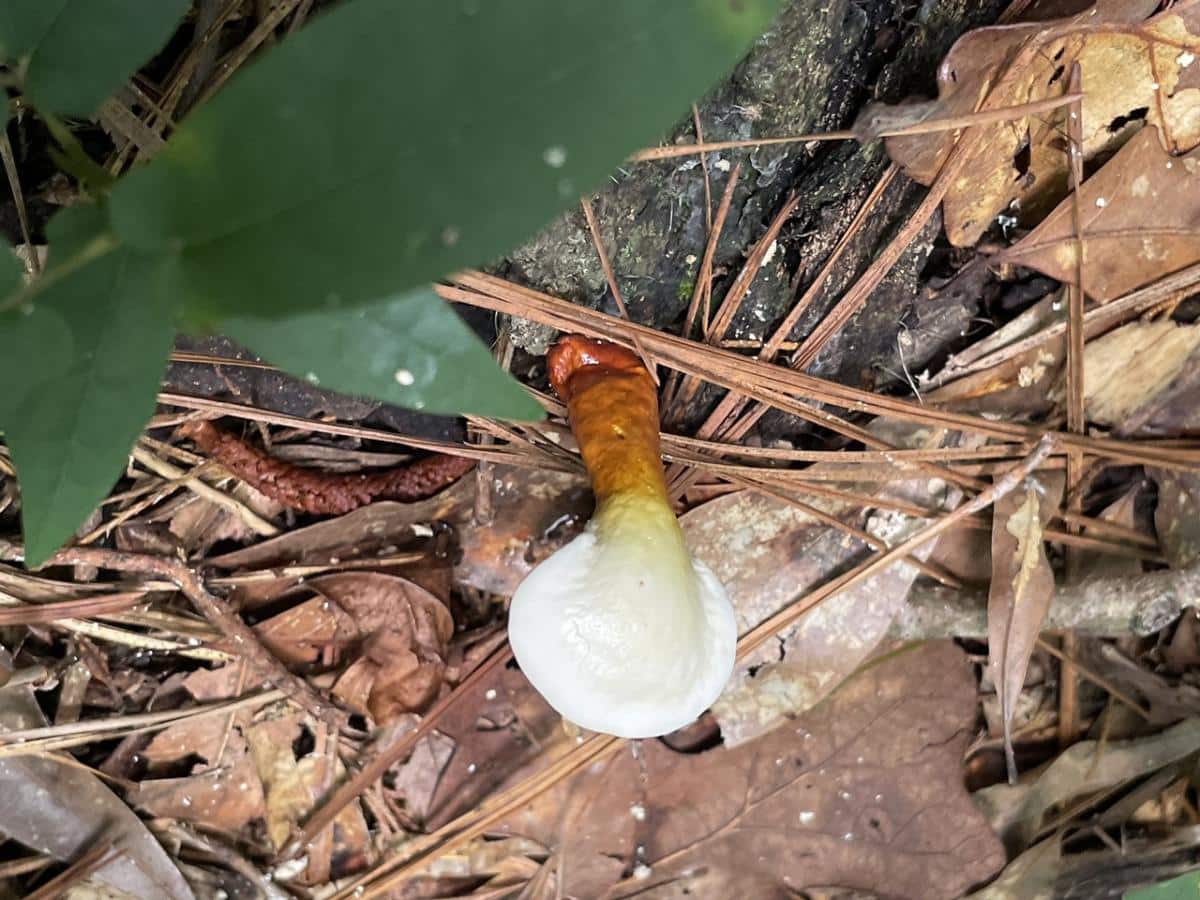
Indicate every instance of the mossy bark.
{"type": "Point", "coordinates": [813, 71]}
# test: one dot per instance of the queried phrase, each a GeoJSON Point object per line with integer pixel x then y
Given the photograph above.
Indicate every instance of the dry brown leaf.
{"type": "Point", "coordinates": [395, 630]}
{"type": "Point", "coordinates": [863, 792]}
{"type": "Point", "coordinates": [1021, 591]}
{"type": "Point", "coordinates": [1017, 388]}
{"type": "Point", "coordinates": [1177, 515]}
{"type": "Point", "coordinates": [293, 786]}
{"type": "Point", "coordinates": [1135, 375]}
{"type": "Point", "coordinates": [416, 780]}
{"type": "Point", "coordinates": [534, 512]}
{"type": "Point", "coordinates": [1130, 69]}
{"type": "Point", "coordinates": [227, 797]}
{"type": "Point", "coordinates": [1141, 221]}
{"type": "Point", "coordinates": [768, 552]}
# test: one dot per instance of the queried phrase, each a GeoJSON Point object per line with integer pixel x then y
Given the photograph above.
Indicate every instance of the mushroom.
{"type": "Point", "coordinates": [622, 630]}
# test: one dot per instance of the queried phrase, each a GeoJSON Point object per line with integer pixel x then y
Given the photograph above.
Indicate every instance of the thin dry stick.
{"type": "Point", "coordinates": [1095, 321]}
{"type": "Point", "coordinates": [89, 862]}
{"type": "Point", "coordinates": [708, 213]}
{"type": "Point", "coordinates": [385, 751]}
{"type": "Point", "coordinates": [14, 186]}
{"type": "Point", "coordinates": [715, 330]}
{"type": "Point", "coordinates": [741, 285]}
{"type": "Point", "coordinates": [933, 571]}
{"type": "Point", "coordinates": [74, 734]}
{"type": "Point", "coordinates": [160, 117]}
{"type": "Point", "coordinates": [733, 403]}
{"type": "Point", "coordinates": [1004, 485]}
{"type": "Point", "coordinates": [255, 414]}
{"type": "Point", "coordinates": [611, 277]}
{"type": "Point", "coordinates": [265, 665]}
{"type": "Point", "coordinates": [235, 60]}
{"type": "Point", "coordinates": [377, 882]}
{"type": "Point", "coordinates": [1068, 694]}
{"type": "Point", "coordinates": [931, 126]}
{"type": "Point", "coordinates": [1094, 677]}
{"type": "Point", "coordinates": [701, 292]}
{"type": "Point", "coordinates": [41, 613]}
{"type": "Point", "coordinates": [778, 386]}
{"type": "Point", "coordinates": [253, 520]}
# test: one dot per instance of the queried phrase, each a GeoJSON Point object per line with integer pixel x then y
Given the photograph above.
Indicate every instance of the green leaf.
{"type": "Point", "coordinates": [388, 143]}
{"type": "Point", "coordinates": [1185, 887]}
{"type": "Point", "coordinates": [409, 349]}
{"type": "Point", "coordinates": [33, 345]}
{"type": "Point", "coordinates": [82, 50]}
{"type": "Point", "coordinates": [90, 357]}
{"type": "Point", "coordinates": [23, 23]}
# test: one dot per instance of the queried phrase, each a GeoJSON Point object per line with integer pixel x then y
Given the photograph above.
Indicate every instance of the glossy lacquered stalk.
{"type": "Point", "coordinates": [621, 630]}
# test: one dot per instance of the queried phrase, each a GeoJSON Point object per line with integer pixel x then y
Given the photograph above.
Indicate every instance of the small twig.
{"type": "Point", "coordinates": [56, 737]}
{"type": "Point", "coordinates": [1108, 607]}
{"type": "Point", "coordinates": [708, 213]}
{"type": "Point", "coordinates": [262, 31]}
{"type": "Point", "coordinates": [88, 863]}
{"type": "Point", "coordinates": [930, 126]}
{"type": "Point", "coordinates": [1069, 671]}
{"type": "Point", "coordinates": [264, 664]}
{"type": "Point", "coordinates": [615, 288]}
{"type": "Point", "coordinates": [699, 305]}
{"type": "Point", "coordinates": [14, 185]}
{"type": "Point", "coordinates": [1094, 677]}
{"type": "Point", "coordinates": [161, 467]}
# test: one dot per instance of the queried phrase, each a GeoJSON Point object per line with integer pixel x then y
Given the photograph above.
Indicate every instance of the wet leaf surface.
{"type": "Point", "coordinates": [862, 792]}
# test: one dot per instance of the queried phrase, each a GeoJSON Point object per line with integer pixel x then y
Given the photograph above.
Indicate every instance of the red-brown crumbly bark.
{"type": "Point", "coordinates": [324, 493]}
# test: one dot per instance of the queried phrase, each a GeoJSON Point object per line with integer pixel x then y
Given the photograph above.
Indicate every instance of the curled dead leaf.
{"type": "Point", "coordinates": [1131, 69]}
{"type": "Point", "coordinates": [394, 631]}
{"type": "Point", "coordinates": [1021, 591]}
{"type": "Point", "coordinates": [1141, 221]}
{"type": "Point", "coordinates": [864, 792]}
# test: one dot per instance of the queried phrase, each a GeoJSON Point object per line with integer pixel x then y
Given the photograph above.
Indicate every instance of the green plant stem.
{"type": "Point", "coordinates": [97, 247]}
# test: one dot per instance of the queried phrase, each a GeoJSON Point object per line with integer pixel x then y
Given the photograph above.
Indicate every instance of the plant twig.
{"type": "Point", "coordinates": [260, 660]}
{"type": "Point", "coordinates": [611, 277]}
{"type": "Point", "coordinates": [84, 866]}
{"type": "Point", "coordinates": [930, 126]}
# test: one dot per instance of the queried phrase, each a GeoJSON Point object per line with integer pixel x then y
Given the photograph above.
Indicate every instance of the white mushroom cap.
{"type": "Point", "coordinates": [621, 630]}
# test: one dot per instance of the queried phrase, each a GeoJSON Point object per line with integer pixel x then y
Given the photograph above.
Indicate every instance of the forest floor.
{"type": "Point", "coordinates": [930, 395]}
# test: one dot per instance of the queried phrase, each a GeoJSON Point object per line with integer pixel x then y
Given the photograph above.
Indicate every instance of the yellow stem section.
{"type": "Point", "coordinates": [613, 408]}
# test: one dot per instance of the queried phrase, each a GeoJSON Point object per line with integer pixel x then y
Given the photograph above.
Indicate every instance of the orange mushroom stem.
{"type": "Point", "coordinates": [621, 630]}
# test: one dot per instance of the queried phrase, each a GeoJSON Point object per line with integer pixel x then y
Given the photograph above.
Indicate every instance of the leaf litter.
{"type": "Point", "coordinates": [837, 755]}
